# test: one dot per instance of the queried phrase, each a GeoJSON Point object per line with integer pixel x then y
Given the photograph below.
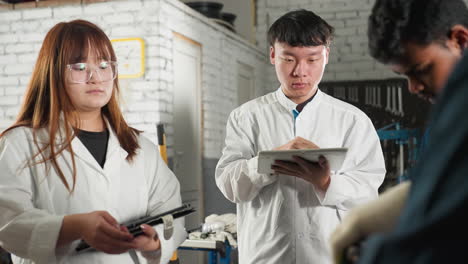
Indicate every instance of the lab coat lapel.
{"type": "Point", "coordinates": [115, 155]}
{"type": "Point", "coordinates": [79, 149]}
{"type": "Point", "coordinates": [83, 154]}
{"type": "Point", "coordinates": [115, 159]}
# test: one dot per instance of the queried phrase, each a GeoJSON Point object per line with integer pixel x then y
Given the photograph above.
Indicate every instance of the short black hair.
{"type": "Point", "coordinates": [300, 28]}
{"type": "Point", "coordinates": [393, 23]}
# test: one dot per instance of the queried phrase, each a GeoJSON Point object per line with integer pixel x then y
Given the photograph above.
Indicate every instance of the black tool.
{"type": "Point", "coordinates": [134, 228]}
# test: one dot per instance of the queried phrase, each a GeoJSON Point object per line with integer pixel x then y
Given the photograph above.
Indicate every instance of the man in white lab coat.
{"type": "Point", "coordinates": [288, 217]}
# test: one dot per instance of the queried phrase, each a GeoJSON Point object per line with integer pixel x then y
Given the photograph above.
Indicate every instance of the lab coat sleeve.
{"type": "Point", "coordinates": [363, 170]}
{"type": "Point", "coordinates": [236, 172]}
{"type": "Point", "coordinates": [24, 230]}
{"type": "Point", "coordinates": [164, 195]}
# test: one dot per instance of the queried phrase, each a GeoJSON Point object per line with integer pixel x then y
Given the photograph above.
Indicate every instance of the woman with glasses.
{"type": "Point", "coordinates": [72, 169]}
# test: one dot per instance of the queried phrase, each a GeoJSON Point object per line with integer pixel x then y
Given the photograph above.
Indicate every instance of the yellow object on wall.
{"type": "Point", "coordinates": [130, 54]}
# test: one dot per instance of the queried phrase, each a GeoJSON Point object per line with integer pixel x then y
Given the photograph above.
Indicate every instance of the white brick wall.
{"type": "Point", "coordinates": [149, 99]}
{"type": "Point", "coordinates": [221, 52]}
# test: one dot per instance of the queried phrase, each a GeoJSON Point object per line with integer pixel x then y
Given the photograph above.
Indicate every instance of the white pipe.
{"type": "Point", "coordinates": [379, 105]}
{"type": "Point", "coordinates": [400, 101]}
{"type": "Point", "coordinates": [389, 99]}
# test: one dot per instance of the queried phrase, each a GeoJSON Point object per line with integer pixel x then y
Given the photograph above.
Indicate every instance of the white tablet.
{"type": "Point", "coordinates": [335, 157]}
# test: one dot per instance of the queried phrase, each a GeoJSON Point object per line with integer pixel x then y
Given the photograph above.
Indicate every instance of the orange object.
{"type": "Point", "coordinates": [162, 142]}
{"type": "Point", "coordinates": [174, 259]}
{"type": "Point", "coordinates": [163, 153]}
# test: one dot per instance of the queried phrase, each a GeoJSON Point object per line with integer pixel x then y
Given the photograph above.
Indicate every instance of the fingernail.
{"type": "Point", "coordinates": [142, 227]}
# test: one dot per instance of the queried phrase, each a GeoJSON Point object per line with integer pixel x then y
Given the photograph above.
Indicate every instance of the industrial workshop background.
{"type": "Point", "coordinates": [188, 72]}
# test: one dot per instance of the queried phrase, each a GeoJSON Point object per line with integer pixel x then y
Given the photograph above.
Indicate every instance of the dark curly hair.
{"type": "Point", "coordinates": [393, 23]}
{"type": "Point", "coordinates": [300, 28]}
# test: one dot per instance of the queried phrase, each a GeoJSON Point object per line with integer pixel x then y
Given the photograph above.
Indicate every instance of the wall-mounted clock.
{"type": "Point", "coordinates": [130, 54]}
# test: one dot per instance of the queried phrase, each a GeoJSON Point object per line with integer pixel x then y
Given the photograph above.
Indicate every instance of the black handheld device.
{"type": "Point", "coordinates": [134, 228]}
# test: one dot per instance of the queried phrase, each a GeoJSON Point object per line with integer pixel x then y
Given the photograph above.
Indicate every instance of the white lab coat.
{"type": "Point", "coordinates": [284, 219]}
{"type": "Point", "coordinates": [33, 201]}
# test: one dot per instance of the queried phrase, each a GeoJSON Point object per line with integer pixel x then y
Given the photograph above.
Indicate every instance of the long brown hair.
{"type": "Point", "coordinates": [46, 100]}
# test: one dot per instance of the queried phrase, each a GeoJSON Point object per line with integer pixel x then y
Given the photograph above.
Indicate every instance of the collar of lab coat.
{"type": "Point", "coordinates": [290, 105]}
{"type": "Point", "coordinates": [114, 154]}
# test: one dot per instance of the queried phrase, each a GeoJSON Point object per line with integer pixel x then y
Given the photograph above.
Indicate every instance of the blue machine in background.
{"type": "Point", "coordinates": [408, 139]}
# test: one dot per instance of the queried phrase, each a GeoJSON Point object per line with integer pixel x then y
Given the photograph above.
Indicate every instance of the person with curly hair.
{"type": "Point", "coordinates": [423, 220]}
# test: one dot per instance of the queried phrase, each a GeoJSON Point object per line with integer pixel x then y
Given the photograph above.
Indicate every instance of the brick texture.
{"type": "Point", "coordinates": [149, 99]}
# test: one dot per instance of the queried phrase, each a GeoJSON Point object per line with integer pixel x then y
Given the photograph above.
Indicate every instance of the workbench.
{"type": "Point", "coordinates": [215, 249]}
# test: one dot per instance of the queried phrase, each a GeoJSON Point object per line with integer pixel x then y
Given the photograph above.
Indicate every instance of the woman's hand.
{"type": "Point", "coordinates": [102, 232]}
{"type": "Point", "coordinates": [149, 241]}
{"type": "Point", "coordinates": [99, 229]}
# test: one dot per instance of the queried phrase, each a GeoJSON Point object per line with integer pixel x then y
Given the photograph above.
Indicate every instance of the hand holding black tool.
{"type": "Point", "coordinates": [134, 226]}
